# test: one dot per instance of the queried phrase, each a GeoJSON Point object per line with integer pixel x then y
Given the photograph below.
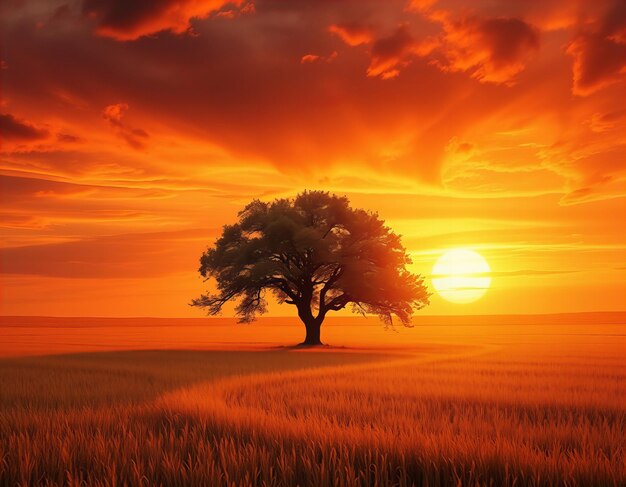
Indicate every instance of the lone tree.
{"type": "Point", "coordinates": [316, 253]}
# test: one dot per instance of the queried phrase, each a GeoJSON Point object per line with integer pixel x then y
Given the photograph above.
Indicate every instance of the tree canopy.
{"type": "Point", "coordinates": [314, 252]}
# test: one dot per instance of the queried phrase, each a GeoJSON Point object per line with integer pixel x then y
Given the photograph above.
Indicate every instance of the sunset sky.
{"type": "Point", "coordinates": [132, 131]}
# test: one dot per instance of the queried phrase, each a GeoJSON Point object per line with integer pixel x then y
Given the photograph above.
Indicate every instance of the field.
{"type": "Point", "coordinates": [522, 401]}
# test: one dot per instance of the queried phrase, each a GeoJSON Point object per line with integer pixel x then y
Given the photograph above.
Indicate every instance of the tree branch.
{"type": "Point", "coordinates": [334, 277]}
{"type": "Point", "coordinates": [333, 225]}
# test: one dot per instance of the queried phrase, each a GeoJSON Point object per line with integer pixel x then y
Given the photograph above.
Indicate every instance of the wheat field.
{"type": "Point", "coordinates": [526, 412]}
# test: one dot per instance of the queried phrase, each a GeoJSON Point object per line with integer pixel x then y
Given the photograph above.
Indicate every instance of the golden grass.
{"type": "Point", "coordinates": [512, 414]}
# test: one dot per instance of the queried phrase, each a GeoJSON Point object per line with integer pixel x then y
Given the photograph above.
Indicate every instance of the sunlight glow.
{"type": "Point", "coordinates": [461, 276]}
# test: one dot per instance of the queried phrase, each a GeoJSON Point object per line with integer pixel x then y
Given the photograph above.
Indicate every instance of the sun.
{"type": "Point", "coordinates": [461, 276]}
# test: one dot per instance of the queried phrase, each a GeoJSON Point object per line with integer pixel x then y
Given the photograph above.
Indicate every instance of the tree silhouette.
{"type": "Point", "coordinates": [314, 252]}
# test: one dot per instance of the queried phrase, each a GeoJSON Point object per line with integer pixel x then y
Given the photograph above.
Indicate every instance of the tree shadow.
{"type": "Point", "coordinates": [63, 382]}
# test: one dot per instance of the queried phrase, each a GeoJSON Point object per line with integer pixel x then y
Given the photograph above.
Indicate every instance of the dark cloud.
{"type": "Point", "coordinates": [490, 49]}
{"type": "Point", "coordinates": [598, 62]}
{"type": "Point", "coordinates": [13, 128]}
{"type": "Point", "coordinates": [129, 20]}
{"type": "Point", "coordinates": [508, 44]}
{"type": "Point", "coordinates": [599, 51]}
{"type": "Point", "coordinates": [388, 53]}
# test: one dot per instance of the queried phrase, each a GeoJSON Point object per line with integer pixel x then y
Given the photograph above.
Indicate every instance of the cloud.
{"type": "Point", "coordinates": [318, 58]}
{"type": "Point", "coordinates": [25, 191]}
{"type": "Point", "coordinates": [68, 138]}
{"type": "Point", "coordinates": [115, 113]}
{"type": "Point", "coordinates": [16, 129]}
{"type": "Point", "coordinates": [518, 273]}
{"type": "Point", "coordinates": [135, 137]}
{"type": "Point", "coordinates": [125, 20]}
{"type": "Point", "coordinates": [353, 34]}
{"type": "Point", "coordinates": [389, 53]}
{"type": "Point", "coordinates": [530, 272]}
{"type": "Point", "coordinates": [51, 206]}
{"type": "Point", "coordinates": [309, 58]}
{"type": "Point", "coordinates": [222, 90]}
{"type": "Point", "coordinates": [119, 256]}
{"type": "Point", "coordinates": [492, 50]}
{"type": "Point", "coordinates": [599, 51]}
{"type": "Point", "coordinates": [604, 122]}
{"type": "Point", "coordinates": [590, 161]}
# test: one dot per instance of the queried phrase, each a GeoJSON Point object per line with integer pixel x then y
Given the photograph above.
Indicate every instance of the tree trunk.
{"type": "Point", "coordinates": [313, 329]}
{"type": "Point", "coordinates": [312, 325]}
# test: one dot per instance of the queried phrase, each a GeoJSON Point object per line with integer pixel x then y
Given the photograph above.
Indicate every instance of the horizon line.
{"type": "Point", "coordinates": [471, 315]}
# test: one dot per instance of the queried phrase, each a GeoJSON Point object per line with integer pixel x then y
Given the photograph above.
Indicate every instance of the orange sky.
{"type": "Point", "coordinates": [131, 134]}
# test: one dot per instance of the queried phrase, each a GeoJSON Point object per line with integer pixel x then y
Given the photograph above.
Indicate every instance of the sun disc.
{"type": "Point", "coordinates": [461, 276]}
